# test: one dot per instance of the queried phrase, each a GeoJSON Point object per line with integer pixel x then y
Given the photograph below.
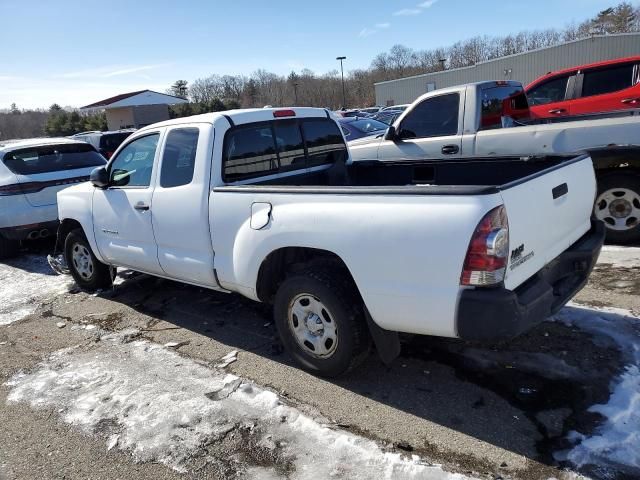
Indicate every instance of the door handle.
{"type": "Point", "coordinates": [143, 207]}
{"type": "Point", "coordinates": [630, 101]}
{"type": "Point", "coordinates": [556, 111]}
{"type": "Point", "coordinates": [450, 149]}
{"type": "Point", "coordinates": [560, 190]}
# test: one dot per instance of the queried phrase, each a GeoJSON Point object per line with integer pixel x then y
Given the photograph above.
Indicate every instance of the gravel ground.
{"type": "Point", "coordinates": [487, 411]}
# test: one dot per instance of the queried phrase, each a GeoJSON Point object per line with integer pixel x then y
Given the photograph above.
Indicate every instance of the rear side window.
{"type": "Point", "coordinates": [434, 117]}
{"type": "Point", "coordinates": [549, 92]}
{"type": "Point", "coordinates": [498, 102]}
{"type": "Point", "coordinates": [179, 157]}
{"type": "Point", "coordinates": [607, 80]}
{"type": "Point", "coordinates": [266, 148]}
{"type": "Point", "coordinates": [52, 158]}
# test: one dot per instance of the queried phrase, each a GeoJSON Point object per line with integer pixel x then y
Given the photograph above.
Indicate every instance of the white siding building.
{"type": "Point", "coordinates": [135, 109]}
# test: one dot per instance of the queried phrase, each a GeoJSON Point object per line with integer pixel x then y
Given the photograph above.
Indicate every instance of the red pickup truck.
{"type": "Point", "coordinates": [594, 88]}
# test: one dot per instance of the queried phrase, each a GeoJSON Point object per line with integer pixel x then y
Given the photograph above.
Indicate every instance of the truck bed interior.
{"type": "Point", "coordinates": [477, 175]}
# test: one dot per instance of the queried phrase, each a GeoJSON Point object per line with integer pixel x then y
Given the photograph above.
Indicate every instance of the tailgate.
{"type": "Point", "coordinates": [547, 213]}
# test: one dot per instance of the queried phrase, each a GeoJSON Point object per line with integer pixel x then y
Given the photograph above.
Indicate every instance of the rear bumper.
{"type": "Point", "coordinates": [495, 314]}
{"type": "Point", "coordinates": [37, 230]}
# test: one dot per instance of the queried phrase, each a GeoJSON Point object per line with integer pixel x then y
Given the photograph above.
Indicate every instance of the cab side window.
{"type": "Point", "coordinates": [179, 157]}
{"type": "Point", "coordinates": [551, 91]}
{"type": "Point", "coordinates": [607, 80]}
{"type": "Point", "coordinates": [434, 117]}
{"type": "Point", "coordinates": [134, 163]}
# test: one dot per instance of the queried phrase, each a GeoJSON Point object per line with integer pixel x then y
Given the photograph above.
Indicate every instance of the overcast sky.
{"type": "Point", "coordinates": [75, 52]}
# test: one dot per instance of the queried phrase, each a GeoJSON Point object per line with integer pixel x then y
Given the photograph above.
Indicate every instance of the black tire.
{"type": "Point", "coordinates": [8, 248]}
{"type": "Point", "coordinates": [97, 276]}
{"type": "Point", "coordinates": [335, 291]}
{"type": "Point", "coordinates": [615, 183]}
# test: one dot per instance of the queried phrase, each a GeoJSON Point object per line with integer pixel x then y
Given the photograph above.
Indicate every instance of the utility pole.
{"type": "Point", "coordinates": [295, 92]}
{"type": "Point", "coordinates": [344, 95]}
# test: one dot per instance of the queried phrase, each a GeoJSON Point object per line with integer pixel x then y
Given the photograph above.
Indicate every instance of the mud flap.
{"type": "Point", "coordinates": [56, 260]}
{"type": "Point", "coordinates": [387, 342]}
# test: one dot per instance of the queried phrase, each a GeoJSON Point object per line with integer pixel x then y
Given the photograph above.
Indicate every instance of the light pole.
{"type": "Point", "coordinates": [344, 96]}
{"type": "Point", "coordinates": [295, 92]}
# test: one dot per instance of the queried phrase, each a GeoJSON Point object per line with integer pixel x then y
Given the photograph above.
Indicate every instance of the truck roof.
{"type": "Point", "coordinates": [9, 145]}
{"type": "Point", "coordinates": [246, 115]}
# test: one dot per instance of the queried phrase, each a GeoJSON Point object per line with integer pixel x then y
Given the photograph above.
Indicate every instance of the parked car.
{"type": "Point", "coordinates": [490, 118]}
{"type": "Point", "coordinates": [357, 127]}
{"type": "Point", "coordinates": [370, 110]}
{"type": "Point", "coordinates": [387, 116]}
{"type": "Point", "coordinates": [401, 108]}
{"type": "Point", "coordinates": [31, 173]}
{"type": "Point", "coordinates": [594, 88]}
{"type": "Point", "coordinates": [350, 113]}
{"type": "Point", "coordinates": [104, 142]}
{"type": "Point", "coordinates": [346, 254]}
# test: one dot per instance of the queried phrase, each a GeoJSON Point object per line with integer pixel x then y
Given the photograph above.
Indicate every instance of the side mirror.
{"type": "Point", "coordinates": [391, 134]}
{"type": "Point", "coordinates": [99, 177]}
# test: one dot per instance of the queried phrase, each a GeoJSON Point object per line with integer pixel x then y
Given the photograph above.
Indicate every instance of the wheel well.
{"type": "Point", "coordinates": [66, 226]}
{"type": "Point", "coordinates": [603, 172]}
{"type": "Point", "coordinates": [279, 263]}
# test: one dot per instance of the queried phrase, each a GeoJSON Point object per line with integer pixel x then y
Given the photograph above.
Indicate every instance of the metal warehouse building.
{"type": "Point", "coordinates": [523, 67]}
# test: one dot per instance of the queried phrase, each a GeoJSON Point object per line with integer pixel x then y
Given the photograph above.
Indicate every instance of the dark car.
{"type": "Point", "coordinates": [358, 127]}
{"type": "Point", "coordinates": [387, 116]}
{"type": "Point", "coordinates": [105, 142]}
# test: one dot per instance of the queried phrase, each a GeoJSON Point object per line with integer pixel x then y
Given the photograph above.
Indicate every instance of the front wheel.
{"type": "Point", "coordinates": [89, 273]}
{"type": "Point", "coordinates": [618, 206]}
{"type": "Point", "coordinates": [320, 320]}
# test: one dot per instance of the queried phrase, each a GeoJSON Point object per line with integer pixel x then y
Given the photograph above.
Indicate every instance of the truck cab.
{"type": "Point", "coordinates": [598, 87]}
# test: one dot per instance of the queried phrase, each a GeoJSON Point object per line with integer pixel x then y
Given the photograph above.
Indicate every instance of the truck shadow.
{"type": "Point", "coordinates": [523, 396]}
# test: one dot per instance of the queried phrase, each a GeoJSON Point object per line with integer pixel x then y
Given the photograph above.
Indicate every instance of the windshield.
{"type": "Point", "coordinates": [368, 125]}
{"type": "Point", "coordinates": [52, 158]}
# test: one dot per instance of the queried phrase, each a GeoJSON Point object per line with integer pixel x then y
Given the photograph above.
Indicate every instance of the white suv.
{"type": "Point", "coordinates": [32, 172]}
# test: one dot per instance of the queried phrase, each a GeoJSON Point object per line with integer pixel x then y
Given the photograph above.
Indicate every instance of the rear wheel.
{"type": "Point", "coordinates": [88, 272]}
{"type": "Point", "coordinates": [618, 206]}
{"type": "Point", "coordinates": [320, 320]}
{"type": "Point", "coordinates": [8, 248]}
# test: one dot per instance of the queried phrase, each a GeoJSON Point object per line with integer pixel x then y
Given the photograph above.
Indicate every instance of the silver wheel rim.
{"type": "Point", "coordinates": [313, 326]}
{"type": "Point", "coordinates": [618, 208]}
{"type": "Point", "coordinates": [82, 262]}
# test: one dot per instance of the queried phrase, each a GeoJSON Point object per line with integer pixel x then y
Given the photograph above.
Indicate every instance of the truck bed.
{"type": "Point", "coordinates": [461, 176]}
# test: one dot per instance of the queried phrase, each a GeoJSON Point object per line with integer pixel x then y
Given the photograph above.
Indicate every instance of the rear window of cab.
{"type": "Point", "coordinates": [267, 148]}
{"type": "Point", "coordinates": [52, 158]}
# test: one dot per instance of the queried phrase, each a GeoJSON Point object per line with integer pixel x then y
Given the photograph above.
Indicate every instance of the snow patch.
{"type": "Point", "coordinates": [162, 407]}
{"type": "Point", "coordinates": [26, 281]}
{"type": "Point", "coordinates": [620, 256]}
{"type": "Point", "coordinates": [616, 442]}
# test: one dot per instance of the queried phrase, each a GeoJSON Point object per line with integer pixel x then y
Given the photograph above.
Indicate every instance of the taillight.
{"type": "Point", "coordinates": [13, 189]}
{"type": "Point", "coordinates": [487, 255]}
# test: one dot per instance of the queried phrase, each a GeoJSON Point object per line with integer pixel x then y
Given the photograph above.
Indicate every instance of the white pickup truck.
{"type": "Point", "coordinates": [266, 203]}
{"type": "Point", "coordinates": [469, 120]}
